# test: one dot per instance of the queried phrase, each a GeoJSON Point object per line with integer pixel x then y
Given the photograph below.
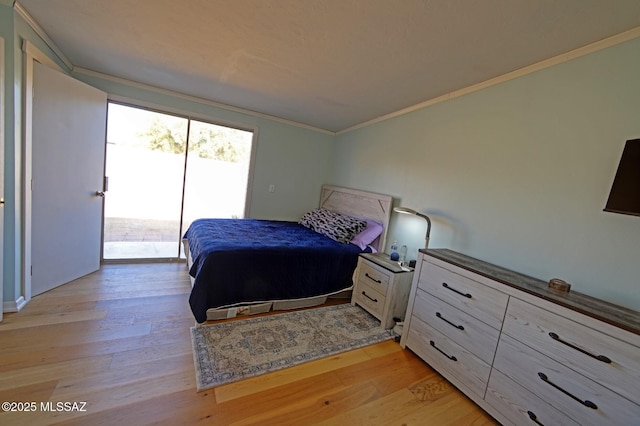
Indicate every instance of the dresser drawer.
{"type": "Point", "coordinates": [448, 357]}
{"type": "Point", "coordinates": [476, 299]}
{"type": "Point", "coordinates": [475, 336]}
{"type": "Point", "coordinates": [369, 297]}
{"type": "Point", "coordinates": [577, 347]}
{"type": "Point", "coordinates": [568, 391]}
{"type": "Point", "coordinates": [520, 406]}
{"type": "Point", "coordinates": [368, 274]}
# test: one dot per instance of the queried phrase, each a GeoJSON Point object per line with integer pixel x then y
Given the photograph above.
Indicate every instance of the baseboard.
{"type": "Point", "coordinates": [14, 306]}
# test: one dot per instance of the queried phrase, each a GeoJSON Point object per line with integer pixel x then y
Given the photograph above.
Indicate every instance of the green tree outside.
{"type": "Point", "coordinates": [206, 140]}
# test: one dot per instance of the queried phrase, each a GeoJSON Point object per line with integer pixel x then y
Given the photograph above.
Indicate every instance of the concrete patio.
{"type": "Point", "coordinates": [132, 238]}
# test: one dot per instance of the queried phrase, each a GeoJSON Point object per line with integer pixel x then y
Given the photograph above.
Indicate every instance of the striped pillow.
{"type": "Point", "coordinates": [338, 227]}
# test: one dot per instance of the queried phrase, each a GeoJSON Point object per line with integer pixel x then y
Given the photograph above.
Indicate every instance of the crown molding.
{"type": "Point", "coordinates": [42, 34]}
{"type": "Point", "coordinates": [564, 57]}
{"type": "Point", "coordinates": [167, 92]}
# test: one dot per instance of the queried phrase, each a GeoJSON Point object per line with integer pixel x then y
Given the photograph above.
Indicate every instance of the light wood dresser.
{"type": "Point", "coordinates": [523, 352]}
{"type": "Point", "coordinates": [381, 287]}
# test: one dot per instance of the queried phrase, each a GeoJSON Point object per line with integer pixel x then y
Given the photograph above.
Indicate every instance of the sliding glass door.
{"type": "Point", "coordinates": [164, 171]}
{"type": "Point", "coordinates": [217, 172]}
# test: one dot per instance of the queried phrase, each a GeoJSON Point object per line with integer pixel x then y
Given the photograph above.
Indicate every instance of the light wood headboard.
{"type": "Point", "coordinates": [360, 204]}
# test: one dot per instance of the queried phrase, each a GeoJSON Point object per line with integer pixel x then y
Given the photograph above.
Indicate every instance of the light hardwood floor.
{"type": "Point", "coordinates": [119, 340]}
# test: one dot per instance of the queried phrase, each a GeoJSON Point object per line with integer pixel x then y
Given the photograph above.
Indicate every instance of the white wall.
{"type": "Point", "coordinates": [517, 174]}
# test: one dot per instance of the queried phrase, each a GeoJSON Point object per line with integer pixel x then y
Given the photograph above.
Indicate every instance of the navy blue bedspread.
{"type": "Point", "coordinates": [250, 260]}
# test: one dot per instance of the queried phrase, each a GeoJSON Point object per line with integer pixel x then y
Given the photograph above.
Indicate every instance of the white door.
{"type": "Point", "coordinates": [69, 121]}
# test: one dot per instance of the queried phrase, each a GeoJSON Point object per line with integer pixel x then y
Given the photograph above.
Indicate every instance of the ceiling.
{"type": "Point", "coordinates": [330, 64]}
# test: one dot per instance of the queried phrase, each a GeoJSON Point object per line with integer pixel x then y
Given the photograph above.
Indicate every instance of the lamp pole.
{"type": "Point", "coordinates": [406, 210]}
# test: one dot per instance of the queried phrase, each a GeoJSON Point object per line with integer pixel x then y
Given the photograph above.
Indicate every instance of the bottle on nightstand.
{"type": "Point", "coordinates": [394, 252]}
{"type": "Point", "coordinates": [403, 255]}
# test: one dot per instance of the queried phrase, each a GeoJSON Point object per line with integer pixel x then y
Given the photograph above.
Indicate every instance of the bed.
{"type": "Point", "coordinates": [248, 266]}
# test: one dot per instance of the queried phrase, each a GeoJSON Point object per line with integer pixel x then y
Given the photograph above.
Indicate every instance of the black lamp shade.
{"type": "Point", "coordinates": [625, 192]}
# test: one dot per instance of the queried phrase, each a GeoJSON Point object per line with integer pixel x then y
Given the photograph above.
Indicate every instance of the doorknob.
{"type": "Point", "coordinates": [100, 194]}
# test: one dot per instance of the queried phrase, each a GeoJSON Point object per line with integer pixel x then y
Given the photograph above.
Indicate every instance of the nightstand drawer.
{"type": "Point", "coordinates": [568, 391]}
{"type": "Point", "coordinates": [369, 275]}
{"type": "Point", "coordinates": [369, 297]}
{"type": "Point", "coordinates": [465, 330]}
{"type": "Point", "coordinates": [608, 361]}
{"type": "Point", "coordinates": [476, 299]}
{"type": "Point", "coordinates": [443, 354]}
{"type": "Point", "coordinates": [519, 405]}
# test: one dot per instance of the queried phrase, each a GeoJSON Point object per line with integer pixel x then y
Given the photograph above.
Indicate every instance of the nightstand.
{"type": "Point", "coordinates": [382, 287]}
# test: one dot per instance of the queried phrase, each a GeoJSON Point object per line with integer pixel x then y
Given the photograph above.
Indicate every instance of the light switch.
{"type": "Point", "coordinates": [272, 188]}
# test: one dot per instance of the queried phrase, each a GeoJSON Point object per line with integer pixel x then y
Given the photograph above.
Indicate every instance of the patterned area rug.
{"type": "Point", "coordinates": [232, 351]}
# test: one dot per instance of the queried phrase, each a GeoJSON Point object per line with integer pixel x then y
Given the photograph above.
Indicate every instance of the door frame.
{"type": "Point", "coordinates": [165, 109]}
{"type": "Point", "coordinates": [2, 171]}
{"type": "Point", "coordinates": [30, 53]}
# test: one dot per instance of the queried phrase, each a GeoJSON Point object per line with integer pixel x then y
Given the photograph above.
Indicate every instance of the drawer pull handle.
{"type": "Point", "coordinates": [534, 418]}
{"type": "Point", "coordinates": [445, 285]}
{"type": "Point", "coordinates": [366, 274]}
{"type": "Point", "coordinates": [602, 358]}
{"type": "Point", "coordinates": [369, 297]}
{"type": "Point", "coordinates": [451, 357]}
{"type": "Point", "coordinates": [439, 315]}
{"type": "Point", "coordinates": [586, 403]}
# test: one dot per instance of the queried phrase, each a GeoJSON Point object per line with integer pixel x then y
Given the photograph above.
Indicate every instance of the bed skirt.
{"type": "Point", "coordinates": [259, 307]}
